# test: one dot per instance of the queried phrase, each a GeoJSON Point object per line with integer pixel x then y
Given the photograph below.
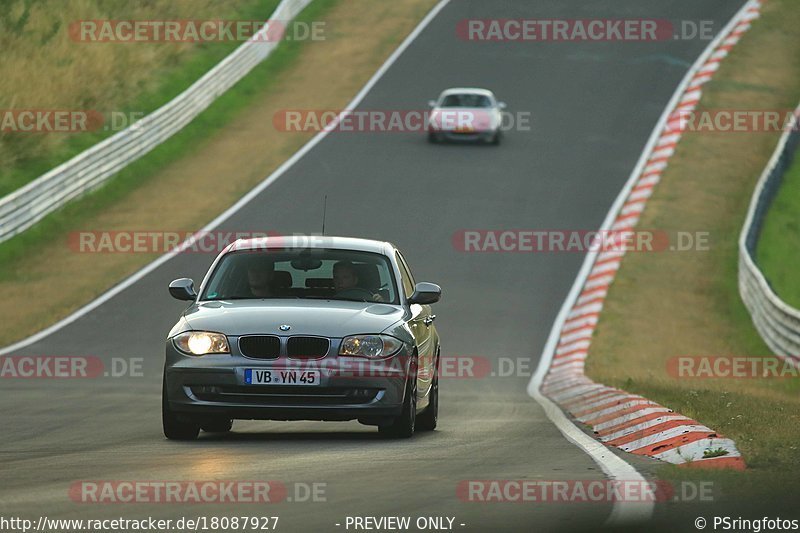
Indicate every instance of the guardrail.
{"type": "Point", "coordinates": [776, 321]}
{"type": "Point", "coordinates": [88, 170]}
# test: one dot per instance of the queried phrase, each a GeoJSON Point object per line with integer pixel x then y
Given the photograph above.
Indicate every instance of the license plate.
{"type": "Point", "coordinates": [277, 376]}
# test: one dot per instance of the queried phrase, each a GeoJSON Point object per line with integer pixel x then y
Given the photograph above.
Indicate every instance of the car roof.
{"type": "Point", "coordinates": [467, 90]}
{"type": "Point", "coordinates": [312, 241]}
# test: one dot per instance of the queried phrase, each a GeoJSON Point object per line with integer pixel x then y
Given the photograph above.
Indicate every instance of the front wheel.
{"type": "Point", "coordinates": [175, 427]}
{"type": "Point", "coordinates": [403, 426]}
{"type": "Point", "coordinates": [426, 421]}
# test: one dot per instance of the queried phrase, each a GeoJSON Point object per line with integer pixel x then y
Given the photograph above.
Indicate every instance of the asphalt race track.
{"type": "Point", "coordinates": [593, 106]}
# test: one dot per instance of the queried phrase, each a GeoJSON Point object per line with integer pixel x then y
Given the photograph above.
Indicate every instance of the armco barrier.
{"type": "Point", "coordinates": [93, 167]}
{"type": "Point", "coordinates": [776, 321]}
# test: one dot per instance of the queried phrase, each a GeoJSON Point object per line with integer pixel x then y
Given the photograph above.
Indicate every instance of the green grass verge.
{"type": "Point", "coordinates": [220, 113]}
{"type": "Point", "coordinates": [176, 80]}
{"type": "Point", "coordinates": [778, 250]}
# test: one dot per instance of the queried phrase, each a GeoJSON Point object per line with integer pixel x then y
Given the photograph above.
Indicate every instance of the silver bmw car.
{"type": "Point", "coordinates": [303, 328]}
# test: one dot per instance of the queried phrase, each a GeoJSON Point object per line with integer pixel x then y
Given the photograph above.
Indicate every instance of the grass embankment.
{"type": "Point", "coordinates": [778, 251]}
{"type": "Point", "coordinates": [45, 66]}
{"type": "Point", "coordinates": [216, 159]}
{"type": "Point", "coordinates": [669, 304]}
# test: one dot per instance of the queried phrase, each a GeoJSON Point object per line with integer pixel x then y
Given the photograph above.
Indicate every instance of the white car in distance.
{"type": "Point", "coordinates": [466, 114]}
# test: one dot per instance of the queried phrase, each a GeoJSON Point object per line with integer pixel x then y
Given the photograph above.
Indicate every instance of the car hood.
{"type": "Point", "coordinates": [328, 318]}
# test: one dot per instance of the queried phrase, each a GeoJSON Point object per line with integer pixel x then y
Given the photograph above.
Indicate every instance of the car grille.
{"type": "Point", "coordinates": [260, 346]}
{"type": "Point", "coordinates": [279, 395]}
{"type": "Point", "coordinates": [307, 347]}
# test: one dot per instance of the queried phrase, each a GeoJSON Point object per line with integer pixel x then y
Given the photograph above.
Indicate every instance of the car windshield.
{"type": "Point", "coordinates": [303, 273]}
{"type": "Point", "coordinates": [466, 100]}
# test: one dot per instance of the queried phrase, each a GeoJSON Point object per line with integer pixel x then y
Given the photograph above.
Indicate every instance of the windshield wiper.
{"type": "Point", "coordinates": [334, 298]}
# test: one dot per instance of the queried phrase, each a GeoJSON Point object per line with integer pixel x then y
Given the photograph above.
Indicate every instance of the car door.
{"type": "Point", "coordinates": [421, 325]}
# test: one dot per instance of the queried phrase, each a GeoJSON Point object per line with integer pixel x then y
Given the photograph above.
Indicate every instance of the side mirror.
{"type": "Point", "coordinates": [425, 293]}
{"type": "Point", "coordinates": [501, 105]}
{"type": "Point", "coordinates": [182, 289]}
{"type": "Point", "coordinates": [431, 103]}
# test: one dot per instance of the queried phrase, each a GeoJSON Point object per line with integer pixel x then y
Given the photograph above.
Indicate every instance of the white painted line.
{"type": "Point", "coordinates": [247, 198]}
{"type": "Point", "coordinates": [614, 467]}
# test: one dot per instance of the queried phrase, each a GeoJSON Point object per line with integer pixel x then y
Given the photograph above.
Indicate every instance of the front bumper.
{"type": "Point", "coordinates": [349, 389]}
{"type": "Point", "coordinates": [468, 136]}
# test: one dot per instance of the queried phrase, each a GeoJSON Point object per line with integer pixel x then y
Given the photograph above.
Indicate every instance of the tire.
{"type": "Point", "coordinates": [217, 425]}
{"type": "Point", "coordinates": [426, 421]}
{"type": "Point", "coordinates": [404, 425]}
{"type": "Point", "coordinates": [496, 139]}
{"type": "Point", "coordinates": [175, 426]}
{"type": "Point", "coordinates": [433, 138]}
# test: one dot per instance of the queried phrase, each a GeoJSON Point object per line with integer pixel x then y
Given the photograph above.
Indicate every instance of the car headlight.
{"type": "Point", "coordinates": [201, 343]}
{"type": "Point", "coordinates": [371, 346]}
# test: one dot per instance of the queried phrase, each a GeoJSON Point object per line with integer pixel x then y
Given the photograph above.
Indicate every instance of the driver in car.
{"type": "Point", "coordinates": [345, 282]}
{"type": "Point", "coordinates": [259, 277]}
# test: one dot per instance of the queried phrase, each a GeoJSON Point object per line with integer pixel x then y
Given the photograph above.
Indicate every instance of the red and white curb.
{"type": "Point", "coordinates": [632, 423]}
